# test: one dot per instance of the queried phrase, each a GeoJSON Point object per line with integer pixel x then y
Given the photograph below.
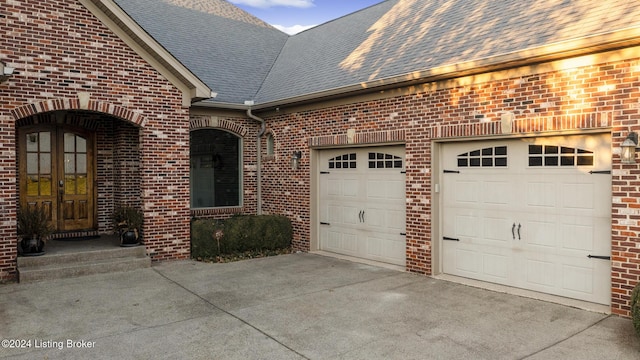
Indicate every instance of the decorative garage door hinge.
{"type": "Point", "coordinates": [600, 172]}
{"type": "Point", "coordinates": [599, 257]}
{"type": "Point", "coordinates": [449, 238]}
{"type": "Point", "coordinates": [324, 172]}
{"type": "Point", "coordinates": [452, 172]}
{"type": "Point", "coordinates": [324, 223]}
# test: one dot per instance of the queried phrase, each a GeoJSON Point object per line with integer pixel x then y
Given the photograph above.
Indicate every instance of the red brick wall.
{"type": "Point", "coordinates": [599, 96]}
{"type": "Point", "coordinates": [59, 49]}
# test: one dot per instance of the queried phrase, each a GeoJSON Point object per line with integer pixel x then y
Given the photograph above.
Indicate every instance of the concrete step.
{"type": "Point", "coordinates": [64, 265]}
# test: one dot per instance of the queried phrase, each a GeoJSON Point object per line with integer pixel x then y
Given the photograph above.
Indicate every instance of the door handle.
{"type": "Point", "coordinates": [513, 231]}
{"type": "Point", "coordinates": [519, 226]}
{"type": "Point", "coordinates": [360, 216]}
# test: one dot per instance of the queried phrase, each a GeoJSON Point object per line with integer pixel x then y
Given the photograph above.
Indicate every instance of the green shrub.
{"type": "Point", "coordinates": [212, 238]}
{"type": "Point", "coordinates": [635, 308]}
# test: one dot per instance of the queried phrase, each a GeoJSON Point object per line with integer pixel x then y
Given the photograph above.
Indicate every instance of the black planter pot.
{"type": "Point", "coordinates": [31, 247]}
{"type": "Point", "coordinates": [129, 238]}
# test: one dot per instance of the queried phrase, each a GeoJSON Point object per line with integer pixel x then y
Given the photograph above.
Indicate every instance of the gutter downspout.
{"type": "Point", "coordinates": [263, 128]}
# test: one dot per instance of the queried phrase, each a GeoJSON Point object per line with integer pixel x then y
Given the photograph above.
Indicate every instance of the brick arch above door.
{"type": "Point", "coordinates": [80, 103]}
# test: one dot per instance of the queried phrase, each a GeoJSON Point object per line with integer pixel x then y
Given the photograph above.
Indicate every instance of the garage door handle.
{"type": "Point", "coordinates": [513, 231]}
{"type": "Point", "coordinates": [362, 215]}
{"type": "Point", "coordinates": [519, 226]}
{"type": "Point", "coordinates": [599, 257]}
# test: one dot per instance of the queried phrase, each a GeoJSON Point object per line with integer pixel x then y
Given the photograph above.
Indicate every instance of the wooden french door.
{"type": "Point", "coordinates": [56, 169]}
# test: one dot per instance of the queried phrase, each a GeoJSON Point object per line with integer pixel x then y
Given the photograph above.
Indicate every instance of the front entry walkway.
{"type": "Point", "coordinates": [298, 306]}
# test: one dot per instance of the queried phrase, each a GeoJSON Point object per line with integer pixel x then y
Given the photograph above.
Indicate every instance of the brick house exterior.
{"type": "Point", "coordinates": [141, 106]}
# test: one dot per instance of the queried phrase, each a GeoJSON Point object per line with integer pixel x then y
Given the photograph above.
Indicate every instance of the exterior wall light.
{"type": "Point", "coordinates": [295, 160]}
{"type": "Point", "coordinates": [628, 148]}
{"type": "Point", "coordinates": [5, 72]}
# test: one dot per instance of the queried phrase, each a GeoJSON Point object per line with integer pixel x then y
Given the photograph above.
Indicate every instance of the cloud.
{"type": "Point", "coordinates": [292, 30]}
{"type": "Point", "coordinates": [270, 3]}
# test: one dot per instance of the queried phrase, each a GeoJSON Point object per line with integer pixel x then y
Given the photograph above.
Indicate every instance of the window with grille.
{"type": "Point", "coordinates": [384, 161]}
{"type": "Point", "coordinates": [488, 157]}
{"type": "Point", "coordinates": [346, 161]}
{"type": "Point", "coordinates": [554, 155]}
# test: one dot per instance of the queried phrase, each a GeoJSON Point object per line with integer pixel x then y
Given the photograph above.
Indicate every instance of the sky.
{"type": "Point", "coordinates": [293, 16]}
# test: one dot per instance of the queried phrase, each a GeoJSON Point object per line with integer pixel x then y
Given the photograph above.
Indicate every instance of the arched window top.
{"type": "Point", "coordinates": [486, 157]}
{"type": "Point", "coordinates": [555, 155]}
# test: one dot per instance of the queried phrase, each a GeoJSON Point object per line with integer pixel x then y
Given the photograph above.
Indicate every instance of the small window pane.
{"type": "Point", "coordinates": [487, 151]}
{"type": "Point", "coordinates": [550, 149]}
{"type": "Point", "coordinates": [501, 150]}
{"type": "Point", "coordinates": [535, 149]}
{"type": "Point", "coordinates": [475, 162]}
{"type": "Point", "coordinates": [475, 153]}
{"type": "Point", "coordinates": [585, 160]}
{"type": "Point", "coordinates": [551, 161]}
{"type": "Point", "coordinates": [535, 161]}
{"type": "Point", "coordinates": [487, 162]}
{"type": "Point", "coordinates": [32, 142]}
{"type": "Point", "coordinates": [567, 161]}
{"type": "Point", "coordinates": [501, 162]}
{"type": "Point", "coordinates": [462, 162]}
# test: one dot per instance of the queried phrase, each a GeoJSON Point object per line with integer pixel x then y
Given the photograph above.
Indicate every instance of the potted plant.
{"type": "Point", "coordinates": [34, 230]}
{"type": "Point", "coordinates": [127, 222]}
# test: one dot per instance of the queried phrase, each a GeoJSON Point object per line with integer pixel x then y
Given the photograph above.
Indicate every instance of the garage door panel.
{"type": "Point", "coordinates": [495, 192]}
{"type": "Point", "coordinates": [541, 194]}
{"type": "Point", "coordinates": [466, 191]}
{"type": "Point", "coordinates": [389, 249]}
{"type": "Point", "coordinates": [544, 187]}
{"type": "Point", "coordinates": [540, 273]}
{"type": "Point", "coordinates": [496, 266]}
{"type": "Point", "coordinates": [497, 229]}
{"type": "Point", "coordinates": [573, 196]}
{"type": "Point", "coordinates": [539, 234]}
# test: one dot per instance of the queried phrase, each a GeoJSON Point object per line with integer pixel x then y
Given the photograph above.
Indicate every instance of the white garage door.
{"type": "Point", "coordinates": [362, 203]}
{"type": "Point", "coordinates": [530, 213]}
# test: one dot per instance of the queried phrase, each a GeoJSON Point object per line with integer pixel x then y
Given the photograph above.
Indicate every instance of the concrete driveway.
{"type": "Point", "coordinates": [299, 306]}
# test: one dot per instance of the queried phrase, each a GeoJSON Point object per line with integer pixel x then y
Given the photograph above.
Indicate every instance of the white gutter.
{"type": "Point", "coordinates": [263, 128]}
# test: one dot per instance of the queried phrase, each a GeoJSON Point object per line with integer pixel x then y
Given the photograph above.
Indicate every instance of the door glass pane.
{"type": "Point", "coordinates": [69, 142]}
{"type": "Point", "coordinates": [45, 141]}
{"type": "Point", "coordinates": [32, 142]}
{"type": "Point", "coordinates": [81, 144]}
{"type": "Point", "coordinates": [45, 185]}
{"type": "Point", "coordinates": [32, 186]}
{"type": "Point", "coordinates": [81, 166]}
{"type": "Point", "coordinates": [69, 164]}
{"type": "Point", "coordinates": [81, 185]}
{"type": "Point", "coordinates": [69, 185]}
{"type": "Point", "coordinates": [45, 163]}
{"type": "Point", "coordinates": [32, 163]}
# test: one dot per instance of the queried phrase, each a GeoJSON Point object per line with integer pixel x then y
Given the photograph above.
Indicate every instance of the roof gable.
{"type": "Point", "coordinates": [231, 51]}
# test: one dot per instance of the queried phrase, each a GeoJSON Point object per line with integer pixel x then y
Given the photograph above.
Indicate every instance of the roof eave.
{"type": "Point", "coordinates": [557, 51]}
{"type": "Point", "coordinates": [117, 20]}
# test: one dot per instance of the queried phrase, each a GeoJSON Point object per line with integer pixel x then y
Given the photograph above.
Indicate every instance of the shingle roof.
{"type": "Point", "coordinates": [242, 58]}
{"type": "Point", "coordinates": [398, 37]}
{"type": "Point", "coordinates": [228, 49]}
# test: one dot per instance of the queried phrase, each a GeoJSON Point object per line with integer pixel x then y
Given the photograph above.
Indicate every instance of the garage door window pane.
{"type": "Point", "coordinates": [384, 161]}
{"type": "Point", "coordinates": [487, 157]}
{"type": "Point", "coordinates": [346, 161]}
{"type": "Point", "coordinates": [554, 156]}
